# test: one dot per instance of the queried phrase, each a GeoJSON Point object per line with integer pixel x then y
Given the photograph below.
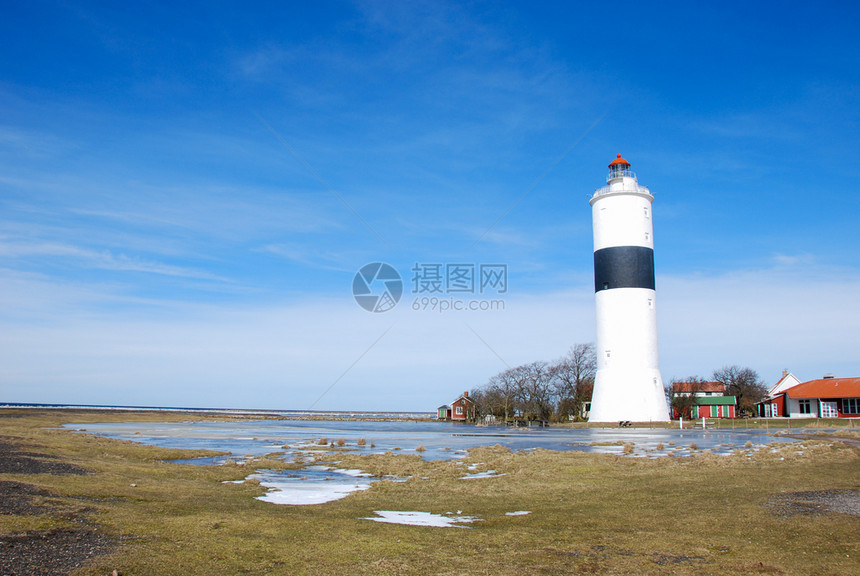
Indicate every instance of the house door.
{"type": "Point", "coordinates": [828, 410]}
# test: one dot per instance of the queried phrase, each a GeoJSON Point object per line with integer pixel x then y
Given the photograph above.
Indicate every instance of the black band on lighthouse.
{"type": "Point", "coordinates": [624, 267]}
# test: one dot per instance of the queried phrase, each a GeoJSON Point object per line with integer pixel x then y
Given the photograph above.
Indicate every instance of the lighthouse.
{"type": "Point", "coordinates": [627, 386]}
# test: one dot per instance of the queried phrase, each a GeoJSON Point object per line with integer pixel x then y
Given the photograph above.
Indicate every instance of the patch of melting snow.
{"type": "Point", "coordinates": [518, 513]}
{"type": "Point", "coordinates": [487, 474]}
{"type": "Point", "coordinates": [421, 519]}
{"type": "Point", "coordinates": [312, 485]}
{"type": "Point", "coordinates": [398, 478]}
{"type": "Point", "coordinates": [353, 473]}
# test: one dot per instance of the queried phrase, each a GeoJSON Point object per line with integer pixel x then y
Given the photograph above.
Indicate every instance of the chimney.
{"type": "Point", "coordinates": [784, 373]}
{"type": "Point", "coordinates": [465, 394]}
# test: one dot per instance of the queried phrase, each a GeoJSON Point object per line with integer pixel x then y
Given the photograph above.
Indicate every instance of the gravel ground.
{"type": "Point", "coordinates": [17, 498]}
{"type": "Point", "coordinates": [42, 552]}
{"type": "Point", "coordinates": [50, 552]}
{"type": "Point", "coordinates": [15, 460]}
{"type": "Point", "coordinates": [820, 502]}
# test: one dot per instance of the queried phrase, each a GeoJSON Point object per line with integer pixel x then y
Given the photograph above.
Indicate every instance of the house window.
{"type": "Point", "coordinates": [805, 406]}
{"type": "Point", "coordinates": [851, 405]}
{"type": "Point", "coordinates": [459, 411]}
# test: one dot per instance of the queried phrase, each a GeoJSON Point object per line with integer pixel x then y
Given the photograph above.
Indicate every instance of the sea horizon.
{"type": "Point", "coordinates": [405, 414]}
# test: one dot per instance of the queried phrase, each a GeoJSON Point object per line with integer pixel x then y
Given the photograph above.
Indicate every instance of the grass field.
{"type": "Point", "coordinates": [749, 513]}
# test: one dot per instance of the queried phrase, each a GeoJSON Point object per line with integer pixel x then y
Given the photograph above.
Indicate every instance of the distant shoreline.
{"type": "Point", "coordinates": [285, 414]}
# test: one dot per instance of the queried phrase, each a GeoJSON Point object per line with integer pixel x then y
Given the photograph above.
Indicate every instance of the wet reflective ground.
{"type": "Point", "coordinates": [433, 440]}
{"type": "Point", "coordinates": [296, 440]}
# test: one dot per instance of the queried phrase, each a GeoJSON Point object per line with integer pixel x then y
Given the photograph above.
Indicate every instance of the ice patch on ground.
{"type": "Point", "coordinates": [487, 474]}
{"type": "Point", "coordinates": [421, 519]}
{"type": "Point", "coordinates": [313, 485]}
{"type": "Point", "coordinates": [353, 473]}
{"type": "Point", "coordinates": [518, 513]}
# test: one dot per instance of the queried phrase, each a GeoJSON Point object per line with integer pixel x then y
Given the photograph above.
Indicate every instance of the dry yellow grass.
{"type": "Point", "coordinates": [601, 514]}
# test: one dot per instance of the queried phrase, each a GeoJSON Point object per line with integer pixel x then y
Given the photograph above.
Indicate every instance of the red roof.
{"type": "Point", "coordinates": [826, 388]}
{"type": "Point", "coordinates": [619, 160]}
{"type": "Point", "coordinates": [698, 387]}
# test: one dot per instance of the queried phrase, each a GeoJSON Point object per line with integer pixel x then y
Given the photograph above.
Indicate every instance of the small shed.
{"type": "Point", "coordinates": [443, 412]}
{"type": "Point", "coordinates": [715, 407]}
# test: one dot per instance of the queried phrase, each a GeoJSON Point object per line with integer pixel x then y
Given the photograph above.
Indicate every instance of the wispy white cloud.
{"type": "Point", "coordinates": [313, 257]}
{"type": "Point", "coordinates": [104, 260]}
{"type": "Point", "coordinates": [794, 260]}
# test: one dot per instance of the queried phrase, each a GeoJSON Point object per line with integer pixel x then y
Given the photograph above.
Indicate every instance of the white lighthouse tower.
{"type": "Point", "coordinates": [628, 385]}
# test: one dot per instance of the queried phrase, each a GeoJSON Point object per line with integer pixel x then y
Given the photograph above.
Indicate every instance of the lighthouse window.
{"type": "Point", "coordinates": [646, 212]}
{"type": "Point", "coordinates": [647, 236]}
{"type": "Point", "coordinates": [651, 303]}
{"type": "Point", "coordinates": [607, 353]}
{"type": "Point", "coordinates": [606, 285]}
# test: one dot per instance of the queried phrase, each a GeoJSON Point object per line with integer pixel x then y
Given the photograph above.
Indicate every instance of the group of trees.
{"type": "Point", "coordinates": [557, 390]}
{"type": "Point", "coordinates": [541, 390]}
{"type": "Point", "coordinates": [743, 383]}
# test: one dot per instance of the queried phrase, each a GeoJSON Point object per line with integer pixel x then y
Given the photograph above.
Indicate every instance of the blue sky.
{"type": "Point", "coordinates": [186, 192]}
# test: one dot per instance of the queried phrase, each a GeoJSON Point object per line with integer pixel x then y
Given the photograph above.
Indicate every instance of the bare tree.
{"type": "Point", "coordinates": [538, 388]}
{"type": "Point", "coordinates": [501, 396]}
{"type": "Point", "coordinates": [535, 389]}
{"type": "Point", "coordinates": [683, 398]}
{"type": "Point", "coordinates": [743, 383]}
{"type": "Point", "coordinates": [573, 379]}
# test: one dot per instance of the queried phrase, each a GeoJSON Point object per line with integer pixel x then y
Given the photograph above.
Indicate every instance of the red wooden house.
{"type": "Point", "coordinates": [704, 400]}
{"type": "Point", "coordinates": [715, 407]}
{"type": "Point", "coordinates": [463, 409]}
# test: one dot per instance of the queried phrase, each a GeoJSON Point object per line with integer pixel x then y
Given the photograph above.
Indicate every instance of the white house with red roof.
{"type": "Point", "coordinates": [698, 389]}
{"type": "Point", "coordinates": [827, 397]}
{"type": "Point", "coordinates": [773, 405]}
